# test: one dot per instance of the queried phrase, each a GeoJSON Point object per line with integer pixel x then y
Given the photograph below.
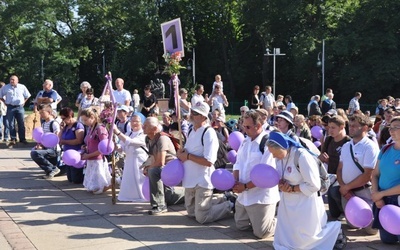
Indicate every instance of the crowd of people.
{"type": "Point", "coordinates": [360, 156]}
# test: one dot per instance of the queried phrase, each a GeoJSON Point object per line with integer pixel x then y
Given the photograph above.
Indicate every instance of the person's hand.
{"type": "Point", "coordinates": [379, 203]}
{"type": "Point", "coordinates": [238, 187]}
{"type": "Point", "coordinates": [83, 148]}
{"type": "Point", "coordinates": [146, 170]}
{"type": "Point", "coordinates": [376, 196]}
{"type": "Point", "coordinates": [84, 156]}
{"type": "Point", "coordinates": [324, 157]}
{"type": "Point", "coordinates": [284, 186]}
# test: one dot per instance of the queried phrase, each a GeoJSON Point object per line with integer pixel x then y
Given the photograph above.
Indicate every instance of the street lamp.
{"type": "Point", "coordinates": [277, 52]}
{"type": "Point", "coordinates": [191, 65]}
{"type": "Point", "coordinates": [322, 63]}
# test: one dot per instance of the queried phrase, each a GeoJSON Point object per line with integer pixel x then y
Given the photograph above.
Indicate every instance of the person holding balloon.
{"type": "Point", "coordinates": [255, 206]}
{"type": "Point", "coordinates": [198, 157]}
{"type": "Point", "coordinates": [45, 151]}
{"type": "Point", "coordinates": [133, 144]}
{"type": "Point", "coordinates": [302, 220]}
{"type": "Point", "coordinates": [386, 187]}
{"type": "Point", "coordinates": [97, 175]}
{"type": "Point", "coordinates": [71, 137]}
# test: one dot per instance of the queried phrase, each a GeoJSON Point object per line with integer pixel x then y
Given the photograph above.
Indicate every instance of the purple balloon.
{"type": "Point", "coordinates": [235, 139]}
{"type": "Point", "coordinates": [105, 148]}
{"type": "Point", "coordinates": [37, 134]}
{"type": "Point", "coordinates": [389, 216]}
{"type": "Point", "coordinates": [317, 132]}
{"type": "Point", "coordinates": [231, 155]}
{"type": "Point", "coordinates": [49, 140]}
{"type": "Point", "coordinates": [264, 176]}
{"type": "Point", "coordinates": [146, 189]}
{"type": "Point", "coordinates": [222, 179]}
{"type": "Point", "coordinates": [317, 143]}
{"type": "Point", "coordinates": [172, 173]}
{"type": "Point", "coordinates": [358, 212]}
{"type": "Point", "coordinates": [80, 164]}
{"type": "Point", "coordinates": [71, 157]}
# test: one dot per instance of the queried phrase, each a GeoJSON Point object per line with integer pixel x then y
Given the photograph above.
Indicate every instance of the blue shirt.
{"type": "Point", "coordinates": [50, 94]}
{"type": "Point", "coordinates": [389, 168]}
{"type": "Point", "coordinates": [14, 95]}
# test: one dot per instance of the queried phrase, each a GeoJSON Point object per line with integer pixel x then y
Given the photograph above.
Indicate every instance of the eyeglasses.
{"type": "Point", "coordinates": [89, 93]}
{"type": "Point", "coordinates": [394, 128]}
{"type": "Point", "coordinates": [249, 127]}
{"type": "Point", "coordinates": [194, 113]}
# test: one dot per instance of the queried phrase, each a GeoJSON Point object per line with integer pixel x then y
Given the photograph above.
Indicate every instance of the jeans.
{"type": "Point", "coordinates": [335, 201]}
{"type": "Point", "coordinates": [6, 133]}
{"type": "Point", "coordinates": [74, 175]}
{"type": "Point", "coordinates": [1, 127]}
{"type": "Point", "coordinates": [45, 158]}
{"type": "Point", "coordinates": [16, 113]}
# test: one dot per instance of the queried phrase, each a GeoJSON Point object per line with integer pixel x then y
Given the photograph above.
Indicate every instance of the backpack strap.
{"type": "Point", "coordinates": [354, 160]}
{"type": "Point", "coordinates": [263, 141]}
{"type": "Point", "coordinates": [202, 135]}
{"type": "Point", "coordinates": [386, 147]}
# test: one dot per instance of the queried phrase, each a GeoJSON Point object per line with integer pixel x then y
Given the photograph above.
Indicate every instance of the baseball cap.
{"type": "Point", "coordinates": [201, 108]}
{"type": "Point", "coordinates": [124, 108]}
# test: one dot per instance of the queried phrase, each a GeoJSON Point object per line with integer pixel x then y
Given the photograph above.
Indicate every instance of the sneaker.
{"type": "Point", "coordinates": [231, 197]}
{"type": "Point", "coordinates": [158, 210]}
{"type": "Point", "coordinates": [12, 142]}
{"type": "Point", "coordinates": [341, 241]}
{"type": "Point", "coordinates": [371, 231]}
{"type": "Point", "coordinates": [52, 174]}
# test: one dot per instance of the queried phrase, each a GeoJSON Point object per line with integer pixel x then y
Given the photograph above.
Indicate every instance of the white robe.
{"type": "Point", "coordinates": [302, 220]}
{"type": "Point", "coordinates": [133, 178]}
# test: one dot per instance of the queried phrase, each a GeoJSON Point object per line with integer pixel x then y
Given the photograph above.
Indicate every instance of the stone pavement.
{"type": "Point", "coordinates": [54, 214]}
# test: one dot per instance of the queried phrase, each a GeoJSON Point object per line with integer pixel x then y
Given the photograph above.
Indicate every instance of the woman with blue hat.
{"type": "Point", "coordinates": [302, 220]}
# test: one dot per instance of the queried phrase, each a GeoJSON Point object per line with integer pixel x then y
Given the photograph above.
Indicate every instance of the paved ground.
{"type": "Point", "coordinates": [41, 214]}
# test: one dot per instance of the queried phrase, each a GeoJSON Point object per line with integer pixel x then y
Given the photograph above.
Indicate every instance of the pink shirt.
{"type": "Point", "coordinates": [93, 138]}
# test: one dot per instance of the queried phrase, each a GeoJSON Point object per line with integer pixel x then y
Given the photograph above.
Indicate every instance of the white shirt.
{"type": "Point", "coordinates": [122, 96]}
{"type": "Point", "coordinates": [248, 156]}
{"type": "Point", "coordinates": [196, 98]}
{"type": "Point", "coordinates": [365, 152]}
{"type": "Point", "coordinates": [136, 100]}
{"type": "Point", "coordinates": [218, 103]}
{"type": "Point", "coordinates": [196, 174]}
{"type": "Point", "coordinates": [267, 100]}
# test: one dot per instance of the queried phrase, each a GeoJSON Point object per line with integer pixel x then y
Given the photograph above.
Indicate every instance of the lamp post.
{"type": "Point", "coordinates": [322, 63]}
{"type": "Point", "coordinates": [191, 65]}
{"type": "Point", "coordinates": [277, 52]}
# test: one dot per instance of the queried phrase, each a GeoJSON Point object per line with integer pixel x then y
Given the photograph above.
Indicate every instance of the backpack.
{"type": "Point", "coordinates": [125, 126]}
{"type": "Point", "coordinates": [223, 149]}
{"type": "Point", "coordinates": [323, 173]}
{"type": "Point", "coordinates": [175, 141]}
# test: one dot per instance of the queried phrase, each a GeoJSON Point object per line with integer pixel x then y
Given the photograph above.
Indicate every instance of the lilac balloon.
{"type": "Point", "coordinates": [389, 216]}
{"type": "Point", "coordinates": [222, 179]}
{"type": "Point", "coordinates": [235, 139]}
{"type": "Point", "coordinates": [104, 148]}
{"type": "Point", "coordinates": [37, 134]}
{"type": "Point", "coordinates": [71, 157]}
{"type": "Point", "coordinates": [172, 173]}
{"type": "Point", "coordinates": [358, 212]}
{"type": "Point", "coordinates": [264, 176]}
{"type": "Point", "coordinates": [317, 143]}
{"type": "Point", "coordinates": [317, 132]}
{"type": "Point", "coordinates": [231, 155]}
{"type": "Point", "coordinates": [49, 140]}
{"type": "Point", "coordinates": [80, 164]}
{"type": "Point", "coordinates": [146, 189]}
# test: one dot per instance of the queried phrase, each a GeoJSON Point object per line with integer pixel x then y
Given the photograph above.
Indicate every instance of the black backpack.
{"type": "Point", "coordinates": [223, 149]}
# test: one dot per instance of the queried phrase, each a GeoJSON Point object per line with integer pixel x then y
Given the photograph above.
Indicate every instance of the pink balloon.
{"type": "Point", "coordinates": [146, 189]}
{"type": "Point", "coordinates": [317, 143]}
{"type": "Point", "coordinates": [231, 155]}
{"type": "Point", "coordinates": [172, 173]}
{"type": "Point", "coordinates": [358, 212]}
{"type": "Point", "coordinates": [235, 139]}
{"type": "Point", "coordinates": [71, 157]}
{"type": "Point", "coordinates": [317, 132]}
{"type": "Point", "coordinates": [80, 164]}
{"type": "Point", "coordinates": [264, 176]}
{"type": "Point", "coordinates": [104, 148]}
{"type": "Point", "coordinates": [389, 216]}
{"type": "Point", "coordinates": [37, 134]}
{"type": "Point", "coordinates": [222, 179]}
{"type": "Point", "coordinates": [49, 140]}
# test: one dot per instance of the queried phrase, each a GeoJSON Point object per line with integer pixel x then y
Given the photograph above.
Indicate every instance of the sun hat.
{"type": "Point", "coordinates": [202, 108]}
{"type": "Point", "coordinates": [286, 115]}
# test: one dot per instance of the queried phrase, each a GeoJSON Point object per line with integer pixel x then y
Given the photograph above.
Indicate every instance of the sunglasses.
{"type": "Point", "coordinates": [249, 127]}
{"type": "Point", "coordinates": [194, 113]}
